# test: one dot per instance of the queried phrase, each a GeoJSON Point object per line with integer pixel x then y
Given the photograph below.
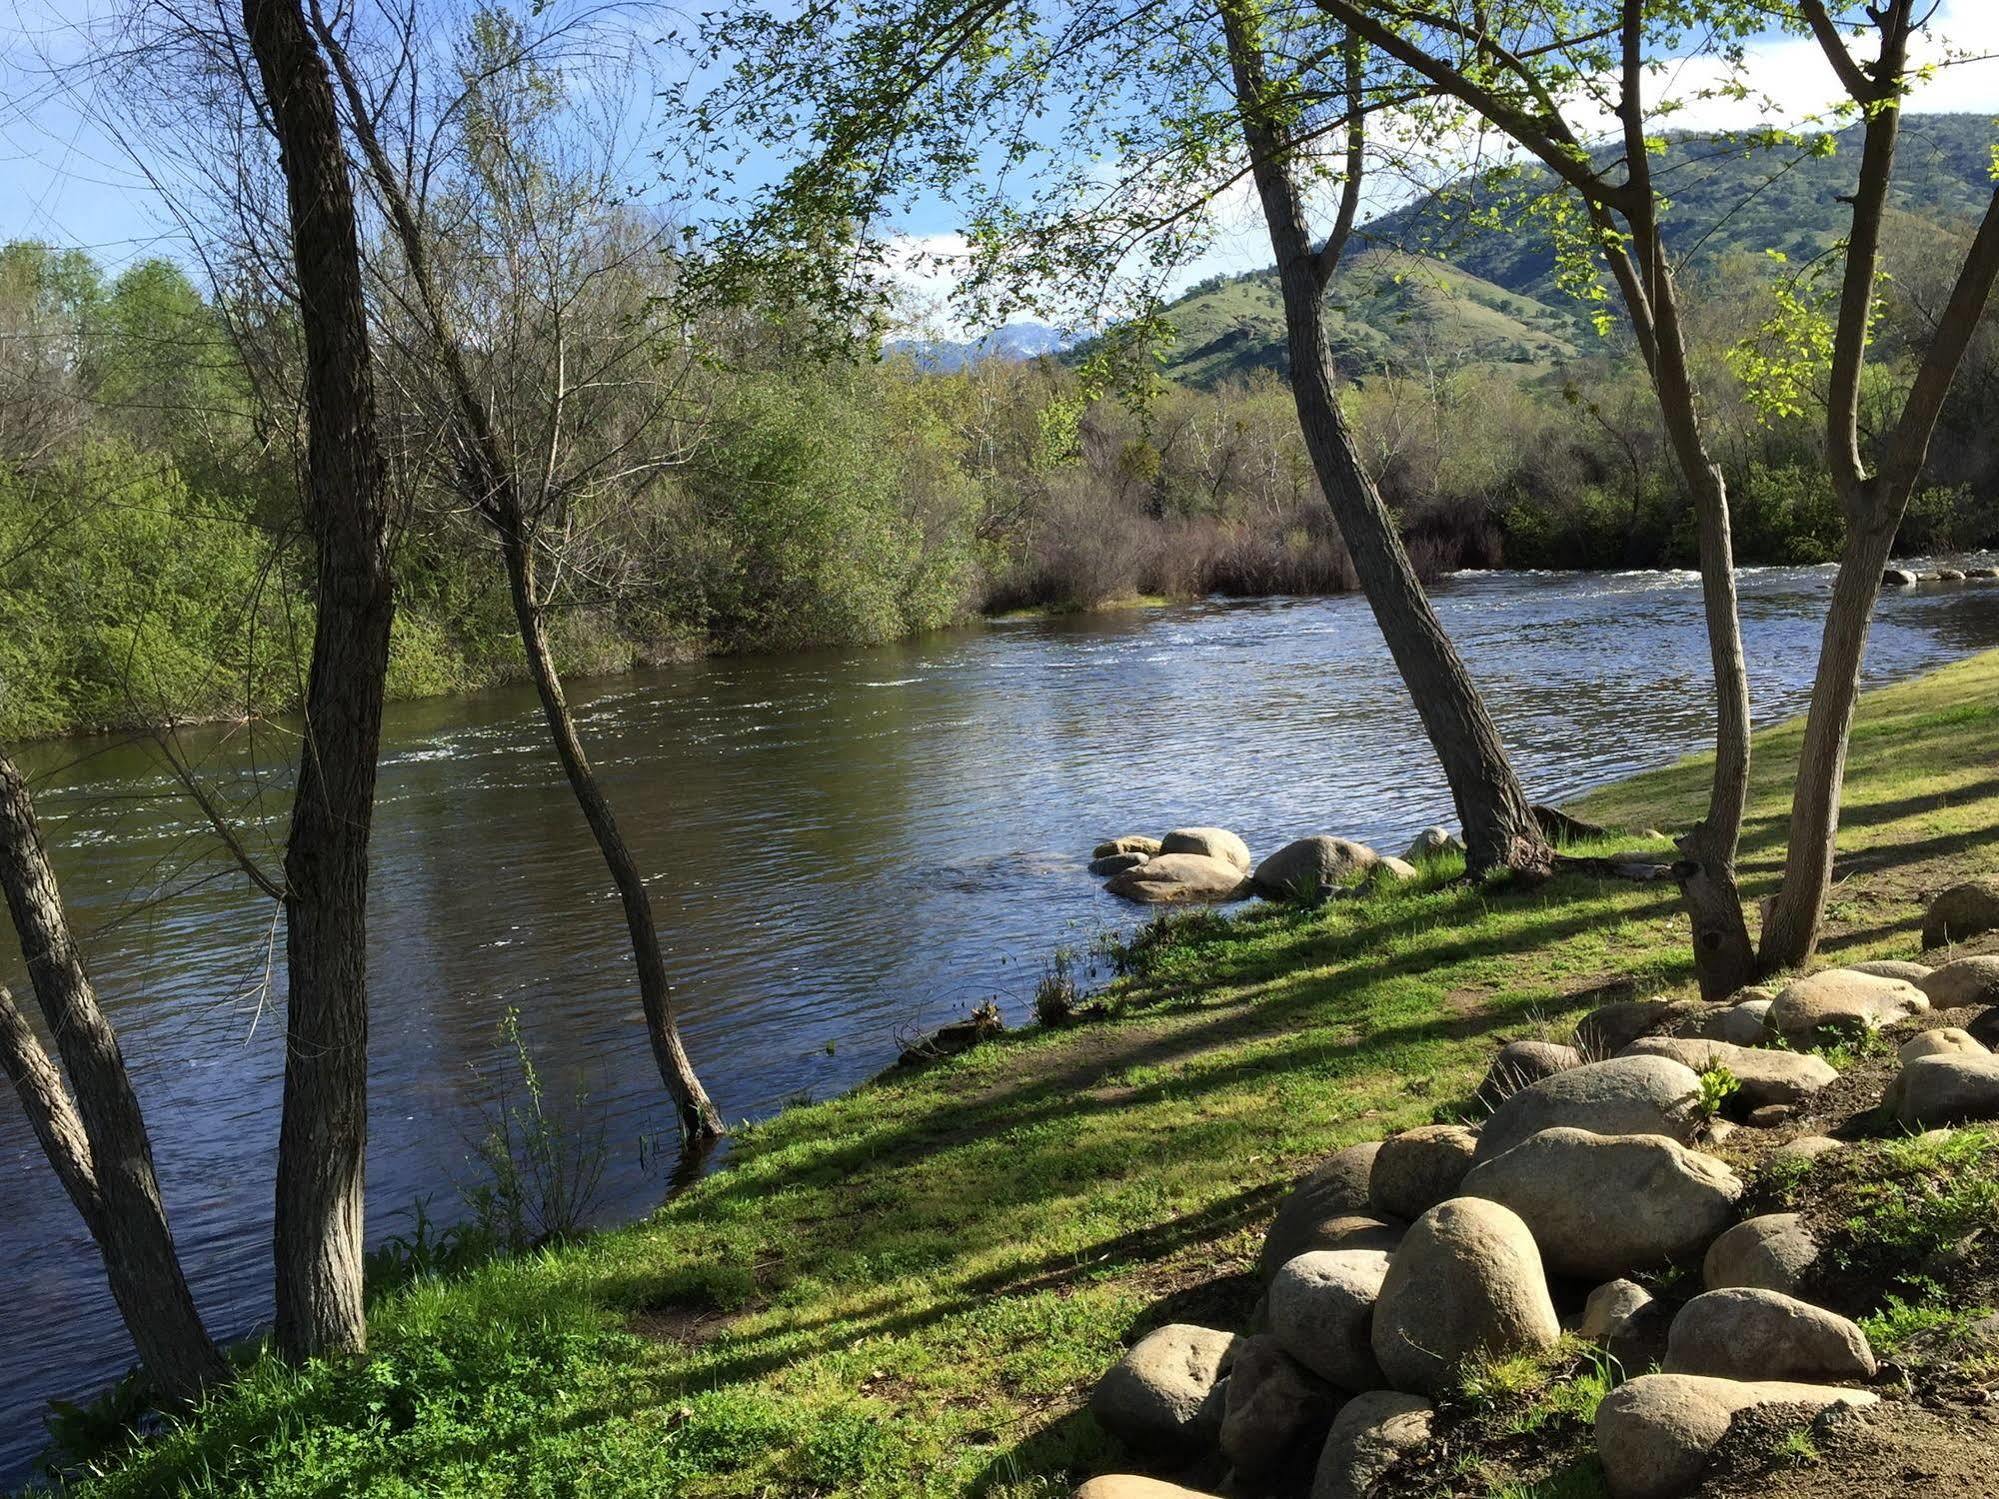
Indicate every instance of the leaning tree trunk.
{"type": "Point", "coordinates": [700, 1123]}
{"type": "Point", "coordinates": [1499, 826]}
{"type": "Point", "coordinates": [322, 1141]}
{"type": "Point", "coordinates": [97, 1144]}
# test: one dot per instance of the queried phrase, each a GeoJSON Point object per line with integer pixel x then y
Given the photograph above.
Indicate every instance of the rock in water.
{"type": "Point", "coordinates": [1165, 879]}
{"type": "Point", "coordinates": [1130, 843]}
{"type": "Point", "coordinates": [1311, 867]}
{"type": "Point", "coordinates": [1655, 1434]}
{"type": "Point", "coordinates": [1419, 1168]}
{"type": "Point", "coordinates": [1163, 1393]}
{"type": "Point", "coordinates": [1209, 843]}
{"type": "Point", "coordinates": [1466, 1280]}
{"type": "Point", "coordinates": [1624, 1096]}
{"type": "Point", "coordinates": [1898, 577]}
{"type": "Point", "coordinates": [1962, 911]}
{"type": "Point", "coordinates": [1741, 1333]}
{"type": "Point", "coordinates": [1840, 1003]}
{"type": "Point", "coordinates": [1107, 865]}
{"type": "Point", "coordinates": [1606, 1205]}
{"type": "Point", "coordinates": [1370, 1435]}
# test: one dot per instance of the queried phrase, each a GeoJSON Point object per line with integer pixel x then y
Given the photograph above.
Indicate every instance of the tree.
{"type": "Point", "coordinates": [323, 1137]}
{"type": "Point", "coordinates": [91, 1129]}
{"type": "Point", "coordinates": [1014, 110]}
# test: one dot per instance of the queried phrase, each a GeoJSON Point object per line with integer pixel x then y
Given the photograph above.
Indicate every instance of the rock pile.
{"type": "Point", "coordinates": [1213, 865]}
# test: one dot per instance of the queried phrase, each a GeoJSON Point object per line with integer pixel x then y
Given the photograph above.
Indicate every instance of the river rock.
{"type": "Point", "coordinates": [1898, 577]}
{"type": "Point", "coordinates": [1370, 1435]}
{"type": "Point", "coordinates": [1948, 1088]}
{"type": "Point", "coordinates": [1623, 1096]}
{"type": "Point", "coordinates": [1609, 1305]}
{"type": "Point", "coordinates": [1945, 1040]}
{"type": "Point", "coordinates": [1962, 911]}
{"type": "Point", "coordinates": [1773, 1252]}
{"type": "Point", "coordinates": [1950, 575]}
{"type": "Point", "coordinates": [1167, 878]}
{"type": "Point", "coordinates": [1165, 1393]}
{"type": "Point", "coordinates": [1655, 1434]}
{"type": "Point", "coordinates": [1839, 1003]}
{"type": "Point", "coordinates": [1110, 864]}
{"type": "Point", "coordinates": [1766, 1075]}
{"type": "Point", "coordinates": [1894, 968]}
{"type": "Point", "coordinates": [1132, 1486]}
{"type": "Point", "coordinates": [1808, 1147]}
{"type": "Point", "coordinates": [1334, 1189]}
{"type": "Point", "coordinates": [1746, 1023]}
{"type": "Point", "coordinates": [1982, 572]}
{"type": "Point", "coordinates": [1520, 1063]}
{"type": "Point", "coordinates": [1963, 981]}
{"type": "Point", "coordinates": [1273, 1409]}
{"type": "Point", "coordinates": [1311, 867]}
{"type": "Point", "coordinates": [1607, 1030]}
{"type": "Point", "coordinates": [1389, 869]}
{"type": "Point", "coordinates": [1208, 843]}
{"type": "Point", "coordinates": [1321, 1311]}
{"type": "Point", "coordinates": [1432, 842]}
{"type": "Point", "coordinates": [1130, 843]}
{"type": "Point", "coordinates": [1604, 1205]}
{"type": "Point", "coordinates": [1466, 1280]}
{"type": "Point", "coordinates": [1742, 1333]}
{"type": "Point", "coordinates": [1419, 1168]}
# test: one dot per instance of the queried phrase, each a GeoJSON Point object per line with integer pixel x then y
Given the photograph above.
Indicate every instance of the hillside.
{"type": "Point", "coordinates": [1425, 278]}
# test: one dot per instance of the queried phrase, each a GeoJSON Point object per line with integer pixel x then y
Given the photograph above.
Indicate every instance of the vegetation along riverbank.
{"type": "Point", "coordinates": [914, 1288]}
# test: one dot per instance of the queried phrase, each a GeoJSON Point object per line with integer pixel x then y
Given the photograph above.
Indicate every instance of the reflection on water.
{"type": "Point", "coordinates": [843, 847]}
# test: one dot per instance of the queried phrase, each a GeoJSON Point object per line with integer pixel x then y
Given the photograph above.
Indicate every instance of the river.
{"type": "Point", "coordinates": [845, 847]}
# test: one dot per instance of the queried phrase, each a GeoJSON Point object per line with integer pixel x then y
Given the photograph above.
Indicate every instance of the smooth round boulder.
{"type": "Point", "coordinates": [1107, 865]}
{"type": "Point", "coordinates": [1419, 1168]}
{"type": "Point", "coordinates": [1839, 1003]}
{"type": "Point", "coordinates": [1432, 842]}
{"type": "Point", "coordinates": [1130, 843]}
{"type": "Point", "coordinates": [1391, 870]}
{"type": "Point", "coordinates": [1950, 575]}
{"type": "Point", "coordinates": [1336, 1188]}
{"type": "Point", "coordinates": [1608, 1029]}
{"type": "Point", "coordinates": [1163, 1393]}
{"type": "Point", "coordinates": [1945, 1040]}
{"type": "Point", "coordinates": [1166, 879]}
{"type": "Point", "coordinates": [1467, 1279]}
{"type": "Point", "coordinates": [1309, 867]}
{"type": "Point", "coordinates": [1743, 1333]}
{"type": "Point", "coordinates": [1963, 981]}
{"type": "Point", "coordinates": [1654, 1435]}
{"type": "Point", "coordinates": [1746, 1023]}
{"type": "Point", "coordinates": [1948, 1088]}
{"type": "Point", "coordinates": [1132, 1486]}
{"type": "Point", "coordinates": [1898, 577]}
{"type": "Point", "coordinates": [1604, 1205]}
{"type": "Point", "coordinates": [1273, 1409]}
{"type": "Point", "coordinates": [1773, 1252]}
{"type": "Point", "coordinates": [1370, 1435]}
{"type": "Point", "coordinates": [1321, 1313]}
{"type": "Point", "coordinates": [1964, 910]}
{"type": "Point", "coordinates": [1765, 1075]}
{"type": "Point", "coordinates": [1520, 1063]}
{"type": "Point", "coordinates": [1623, 1096]}
{"type": "Point", "coordinates": [1609, 1306]}
{"type": "Point", "coordinates": [1808, 1147]}
{"type": "Point", "coordinates": [1208, 843]}
{"type": "Point", "coordinates": [1894, 968]}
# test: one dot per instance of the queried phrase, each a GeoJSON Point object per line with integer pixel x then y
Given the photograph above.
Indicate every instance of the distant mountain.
{"type": "Point", "coordinates": [1424, 281]}
{"type": "Point", "coordinates": [1013, 343]}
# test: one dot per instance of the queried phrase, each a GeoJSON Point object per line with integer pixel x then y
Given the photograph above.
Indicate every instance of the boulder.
{"type": "Point", "coordinates": [1131, 1486]}
{"type": "Point", "coordinates": [1716, 1022]}
{"type": "Point", "coordinates": [1894, 968]}
{"type": "Point", "coordinates": [1839, 1003]}
{"type": "Point", "coordinates": [1898, 577]}
{"type": "Point", "coordinates": [1311, 866]}
{"type": "Point", "coordinates": [1208, 843]}
{"type": "Point", "coordinates": [1746, 1023]}
{"type": "Point", "coordinates": [1604, 1205]}
{"type": "Point", "coordinates": [1808, 1147]}
{"type": "Point", "coordinates": [1743, 1333]}
{"type": "Point", "coordinates": [1623, 1096]}
{"type": "Point", "coordinates": [1321, 1311]}
{"type": "Point", "coordinates": [1522, 1062]}
{"type": "Point", "coordinates": [1945, 1040]}
{"type": "Point", "coordinates": [1766, 1075]}
{"type": "Point", "coordinates": [1655, 1434]}
{"type": "Point", "coordinates": [1273, 1409]}
{"type": "Point", "coordinates": [1164, 1393]}
{"type": "Point", "coordinates": [1948, 1088]}
{"type": "Point", "coordinates": [1950, 575]}
{"type": "Point", "coordinates": [1109, 864]}
{"type": "Point", "coordinates": [1609, 1305]}
{"type": "Point", "coordinates": [1982, 572]}
{"type": "Point", "coordinates": [1130, 843]}
{"type": "Point", "coordinates": [1608, 1029]}
{"type": "Point", "coordinates": [1466, 1280]}
{"type": "Point", "coordinates": [1432, 842]}
{"type": "Point", "coordinates": [1963, 981]}
{"type": "Point", "coordinates": [1389, 869]}
{"type": "Point", "coordinates": [1419, 1168]}
{"type": "Point", "coordinates": [1962, 911]}
{"type": "Point", "coordinates": [1369, 1436]}
{"type": "Point", "coordinates": [1773, 1252]}
{"type": "Point", "coordinates": [1167, 878]}
{"type": "Point", "coordinates": [1334, 1189]}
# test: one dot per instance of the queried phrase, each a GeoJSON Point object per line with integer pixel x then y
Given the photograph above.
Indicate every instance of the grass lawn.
{"type": "Point", "coordinates": [910, 1290]}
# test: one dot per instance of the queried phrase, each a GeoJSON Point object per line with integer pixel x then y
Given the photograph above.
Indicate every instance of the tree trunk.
{"type": "Point", "coordinates": [98, 1145]}
{"type": "Point", "coordinates": [322, 1143]}
{"type": "Point", "coordinates": [1499, 826]}
{"type": "Point", "coordinates": [700, 1123]}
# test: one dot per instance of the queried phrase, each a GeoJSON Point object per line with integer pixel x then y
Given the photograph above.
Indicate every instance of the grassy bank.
{"type": "Point", "coordinates": [909, 1290]}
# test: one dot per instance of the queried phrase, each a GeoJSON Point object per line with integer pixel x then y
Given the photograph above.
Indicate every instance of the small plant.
{"type": "Point", "coordinates": [1798, 1449]}
{"type": "Point", "coordinates": [542, 1174]}
{"type": "Point", "coordinates": [1718, 1085]}
{"type": "Point", "coordinates": [84, 1433]}
{"type": "Point", "coordinates": [427, 1250]}
{"type": "Point", "coordinates": [1056, 997]}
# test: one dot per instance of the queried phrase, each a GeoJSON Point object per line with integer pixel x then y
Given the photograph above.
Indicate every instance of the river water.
{"type": "Point", "coordinates": [845, 847]}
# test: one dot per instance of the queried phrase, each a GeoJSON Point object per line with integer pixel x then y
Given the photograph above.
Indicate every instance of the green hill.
{"type": "Point", "coordinates": [1427, 280]}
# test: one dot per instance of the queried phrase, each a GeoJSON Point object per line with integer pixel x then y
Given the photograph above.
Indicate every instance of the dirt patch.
{"type": "Point", "coordinates": [1897, 1447]}
{"type": "Point", "coordinates": [681, 1325]}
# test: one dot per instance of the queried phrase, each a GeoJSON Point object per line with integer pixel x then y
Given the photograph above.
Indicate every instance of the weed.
{"type": "Point", "coordinates": [1718, 1085]}
{"type": "Point", "coordinates": [428, 1249]}
{"type": "Point", "coordinates": [542, 1174]}
{"type": "Point", "coordinates": [1056, 997]}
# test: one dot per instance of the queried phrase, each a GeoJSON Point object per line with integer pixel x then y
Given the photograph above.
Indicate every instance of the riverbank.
{"type": "Point", "coordinates": [911, 1288]}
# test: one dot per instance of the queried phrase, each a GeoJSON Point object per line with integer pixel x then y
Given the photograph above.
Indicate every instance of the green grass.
{"type": "Point", "coordinates": [909, 1290]}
